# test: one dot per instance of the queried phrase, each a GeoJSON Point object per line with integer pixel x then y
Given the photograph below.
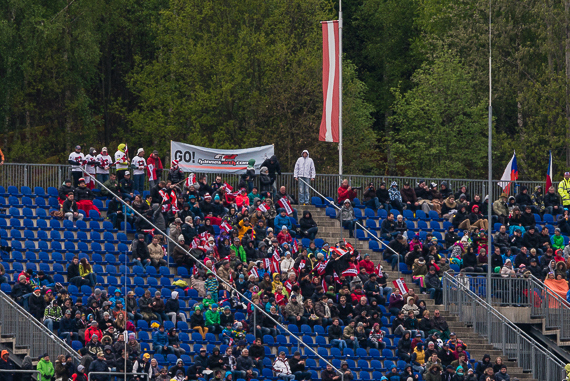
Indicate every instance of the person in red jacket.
{"type": "Point", "coordinates": [367, 264]}
{"type": "Point", "coordinates": [93, 330]}
{"type": "Point", "coordinates": [357, 294]}
{"type": "Point", "coordinates": [154, 169]}
{"type": "Point", "coordinates": [345, 192]}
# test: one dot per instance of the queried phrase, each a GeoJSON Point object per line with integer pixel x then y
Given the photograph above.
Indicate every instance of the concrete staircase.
{"type": "Point", "coordinates": [477, 346]}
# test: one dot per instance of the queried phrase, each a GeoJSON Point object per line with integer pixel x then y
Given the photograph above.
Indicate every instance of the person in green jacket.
{"type": "Point", "coordinates": [239, 250]}
{"type": "Point", "coordinates": [254, 194]}
{"type": "Point", "coordinates": [45, 367]}
{"type": "Point", "coordinates": [557, 240]}
{"type": "Point", "coordinates": [213, 319]}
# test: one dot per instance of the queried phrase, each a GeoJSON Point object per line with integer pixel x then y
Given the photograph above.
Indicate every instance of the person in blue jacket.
{"type": "Point", "coordinates": [283, 220]}
{"type": "Point", "coordinates": [160, 342]}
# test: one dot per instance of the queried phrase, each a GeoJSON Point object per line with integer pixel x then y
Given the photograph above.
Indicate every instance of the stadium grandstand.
{"type": "Point", "coordinates": [106, 275]}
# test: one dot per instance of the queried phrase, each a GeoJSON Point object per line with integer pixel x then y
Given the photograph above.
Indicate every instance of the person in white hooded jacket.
{"type": "Point", "coordinates": [305, 170]}
{"type": "Point", "coordinates": [281, 367]}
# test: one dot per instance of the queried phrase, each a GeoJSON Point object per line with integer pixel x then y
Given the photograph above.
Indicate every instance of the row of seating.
{"type": "Point", "coordinates": [41, 192]}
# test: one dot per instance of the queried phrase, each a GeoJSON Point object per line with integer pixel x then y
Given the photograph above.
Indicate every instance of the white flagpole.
{"type": "Point", "coordinates": [340, 89]}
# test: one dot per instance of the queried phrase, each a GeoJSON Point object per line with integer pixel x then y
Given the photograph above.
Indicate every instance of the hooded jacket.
{"type": "Point", "coordinates": [304, 167]}
{"type": "Point", "coordinates": [272, 166]}
{"type": "Point", "coordinates": [46, 370]}
{"type": "Point", "coordinates": [121, 159]}
{"type": "Point", "coordinates": [394, 192]}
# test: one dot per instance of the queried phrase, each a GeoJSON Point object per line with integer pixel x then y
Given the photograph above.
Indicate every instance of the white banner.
{"type": "Point", "coordinates": [200, 159]}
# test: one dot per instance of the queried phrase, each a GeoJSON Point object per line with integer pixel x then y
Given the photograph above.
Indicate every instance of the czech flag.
{"type": "Point", "coordinates": [549, 173]}
{"type": "Point", "coordinates": [511, 174]}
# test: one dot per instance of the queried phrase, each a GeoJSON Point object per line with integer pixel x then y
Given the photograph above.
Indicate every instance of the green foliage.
{"type": "Point", "coordinates": [440, 122]}
{"type": "Point", "coordinates": [237, 73]}
{"type": "Point", "coordinates": [243, 73]}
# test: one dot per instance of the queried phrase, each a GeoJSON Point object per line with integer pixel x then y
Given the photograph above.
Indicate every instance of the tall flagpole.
{"type": "Point", "coordinates": [490, 158]}
{"type": "Point", "coordinates": [340, 89]}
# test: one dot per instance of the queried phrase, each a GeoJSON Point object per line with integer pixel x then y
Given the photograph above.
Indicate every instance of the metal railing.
{"type": "Point", "coordinates": [53, 175]}
{"type": "Point", "coordinates": [22, 371]}
{"type": "Point", "coordinates": [499, 331]}
{"type": "Point", "coordinates": [118, 375]}
{"type": "Point", "coordinates": [27, 331]}
{"type": "Point", "coordinates": [530, 292]}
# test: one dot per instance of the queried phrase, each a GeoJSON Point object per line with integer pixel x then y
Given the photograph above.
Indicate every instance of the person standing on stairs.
{"type": "Point", "coordinates": [304, 170]}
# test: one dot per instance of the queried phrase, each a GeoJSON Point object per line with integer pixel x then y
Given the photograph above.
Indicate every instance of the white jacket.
{"type": "Point", "coordinates": [305, 167]}
{"type": "Point", "coordinates": [281, 366]}
{"type": "Point", "coordinates": [287, 264]}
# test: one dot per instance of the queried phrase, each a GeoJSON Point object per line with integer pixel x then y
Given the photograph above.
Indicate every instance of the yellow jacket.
{"type": "Point", "coordinates": [242, 229]}
{"type": "Point", "coordinates": [563, 191]}
{"type": "Point", "coordinates": [83, 271]}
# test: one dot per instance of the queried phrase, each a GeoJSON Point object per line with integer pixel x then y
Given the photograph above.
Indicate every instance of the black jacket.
{"type": "Point", "coordinates": [273, 166]}
{"type": "Point", "coordinates": [175, 175]}
{"type": "Point", "coordinates": [527, 219]}
{"type": "Point", "coordinates": [383, 195]}
{"type": "Point", "coordinates": [64, 190]}
{"type": "Point", "coordinates": [127, 186]}
{"type": "Point", "coordinates": [70, 206]}
{"type": "Point", "coordinates": [307, 223]}
{"type": "Point", "coordinates": [552, 199]}
{"type": "Point", "coordinates": [459, 217]}
{"type": "Point", "coordinates": [523, 198]}
{"type": "Point", "coordinates": [531, 240]}
{"type": "Point", "coordinates": [83, 193]}
{"type": "Point", "coordinates": [72, 271]}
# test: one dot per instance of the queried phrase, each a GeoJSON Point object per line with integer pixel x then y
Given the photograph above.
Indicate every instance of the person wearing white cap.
{"type": "Point", "coordinates": [138, 165]}
{"type": "Point", "coordinates": [76, 159]}
{"type": "Point", "coordinates": [105, 162]}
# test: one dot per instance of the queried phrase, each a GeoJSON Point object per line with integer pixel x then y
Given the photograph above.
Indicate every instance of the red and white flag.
{"type": "Point", "coordinates": [331, 81]}
{"type": "Point", "coordinates": [549, 173]}
{"type": "Point", "coordinates": [349, 246]}
{"type": "Point", "coordinates": [284, 203]}
{"type": "Point", "coordinates": [339, 251]}
{"type": "Point", "coordinates": [320, 267]}
{"type": "Point", "coordinates": [262, 208]}
{"type": "Point", "coordinates": [400, 284]}
{"type": "Point", "coordinates": [378, 270]}
{"type": "Point", "coordinates": [226, 227]}
{"type": "Point", "coordinates": [191, 179]}
{"type": "Point", "coordinates": [336, 278]}
{"type": "Point", "coordinates": [165, 201]}
{"type": "Point", "coordinates": [267, 263]}
{"type": "Point", "coordinates": [174, 202]}
{"type": "Point", "coordinates": [254, 272]}
{"type": "Point", "coordinates": [276, 257]}
{"type": "Point", "coordinates": [350, 272]}
{"type": "Point", "coordinates": [294, 247]}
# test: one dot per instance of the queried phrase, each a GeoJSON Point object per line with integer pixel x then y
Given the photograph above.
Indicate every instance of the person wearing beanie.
{"type": "Point", "coordinates": [175, 174]}
{"type": "Point", "coordinates": [46, 368]}
{"type": "Point", "coordinates": [213, 321]}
